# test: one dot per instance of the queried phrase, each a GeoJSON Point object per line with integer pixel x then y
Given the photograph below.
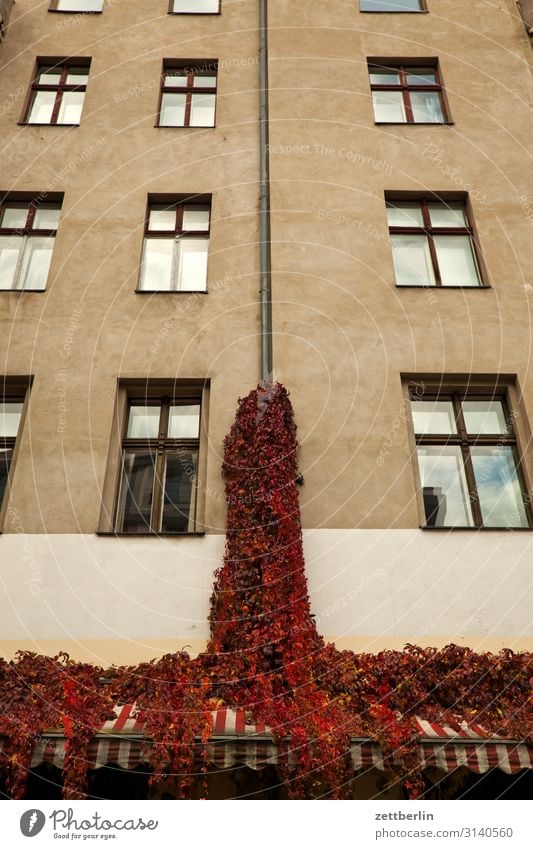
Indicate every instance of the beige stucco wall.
{"type": "Point", "coordinates": [119, 601]}
{"type": "Point", "coordinates": [343, 333]}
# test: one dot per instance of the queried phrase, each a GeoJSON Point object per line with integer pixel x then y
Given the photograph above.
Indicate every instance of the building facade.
{"type": "Point", "coordinates": [129, 276]}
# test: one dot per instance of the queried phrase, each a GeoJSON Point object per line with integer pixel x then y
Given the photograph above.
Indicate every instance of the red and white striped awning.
{"type": "Point", "coordinates": [448, 747]}
{"type": "Point", "coordinates": [238, 741]}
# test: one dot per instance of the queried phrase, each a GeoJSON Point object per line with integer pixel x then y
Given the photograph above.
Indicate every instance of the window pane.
{"type": "Point", "coordinates": [204, 80]}
{"type": "Point", "coordinates": [80, 5]}
{"type": "Point", "coordinates": [136, 491]}
{"type": "Point", "coordinates": [196, 6]}
{"type": "Point", "coordinates": [180, 492]}
{"type": "Point", "coordinates": [421, 76]}
{"type": "Point", "coordinates": [184, 421]}
{"type": "Point", "coordinates": [143, 422]}
{"type": "Point", "coordinates": [78, 76]}
{"type": "Point", "coordinates": [15, 216]}
{"type": "Point", "coordinates": [156, 271]}
{"type": "Point", "coordinates": [177, 78]}
{"type": "Point", "coordinates": [456, 260]}
{"type": "Point", "coordinates": [427, 107]}
{"type": "Point", "coordinates": [404, 215]}
{"type": "Point", "coordinates": [172, 110]}
{"type": "Point", "coordinates": [444, 487]}
{"type": "Point", "coordinates": [10, 413]}
{"type": "Point", "coordinates": [49, 76]}
{"type": "Point", "coordinates": [6, 455]}
{"type": "Point", "coordinates": [71, 107]}
{"type": "Point", "coordinates": [10, 248]}
{"type": "Point", "coordinates": [196, 218]}
{"type": "Point", "coordinates": [433, 417]}
{"type": "Point", "coordinates": [162, 219]}
{"type": "Point", "coordinates": [202, 110]}
{"type": "Point", "coordinates": [42, 107]}
{"type": "Point", "coordinates": [36, 263]}
{"type": "Point", "coordinates": [498, 487]}
{"type": "Point", "coordinates": [412, 261]}
{"type": "Point", "coordinates": [388, 106]}
{"type": "Point", "coordinates": [193, 265]}
{"type": "Point", "coordinates": [390, 5]}
{"type": "Point", "coordinates": [484, 417]}
{"type": "Point", "coordinates": [46, 218]}
{"type": "Point", "coordinates": [447, 215]}
{"type": "Point", "coordinates": [384, 76]}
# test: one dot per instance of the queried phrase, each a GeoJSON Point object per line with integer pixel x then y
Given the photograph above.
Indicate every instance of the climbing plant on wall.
{"type": "Point", "coordinates": [264, 655]}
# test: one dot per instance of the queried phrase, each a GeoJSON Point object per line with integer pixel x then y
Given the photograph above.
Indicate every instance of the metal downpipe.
{"type": "Point", "coordinates": [264, 202]}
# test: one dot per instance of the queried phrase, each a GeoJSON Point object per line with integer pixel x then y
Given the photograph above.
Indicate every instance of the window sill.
{"type": "Point", "coordinates": [28, 124]}
{"type": "Point", "coordinates": [182, 127]}
{"type": "Point", "coordinates": [478, 530]}
{"type": "Point", "coordinates": [149, 534]}
{"type": "Point", "coordinates": [414, 123]}
{"type": "Point", "coordinates": [441, 288]}
{"type": "Point", "coordinates": [171, 291]}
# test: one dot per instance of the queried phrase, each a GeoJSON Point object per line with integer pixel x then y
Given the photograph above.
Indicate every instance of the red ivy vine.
{"type": "Point", "coordinates": [265, 655]}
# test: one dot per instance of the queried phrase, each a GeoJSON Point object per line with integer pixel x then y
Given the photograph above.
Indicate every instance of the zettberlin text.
{"type": "Point", "coordinates": [399, 815]}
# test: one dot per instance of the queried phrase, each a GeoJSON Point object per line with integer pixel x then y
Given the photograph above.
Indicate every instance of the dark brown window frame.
{"type": "Point", "coordinates": [44, 63]}
{"type": "Point", "coordinates": [401, 66]}
{"type": "Point", "coordinates": [172, 12]}
{"type": "Point", "coordinates": [159, 447]}
{"type": "Point", "coordinates": [424, 199]}
{"type": "Point", "coordinates": [34, 201]}
{"type": "Point", "coordinates": [13, 390]}
{"type": "Point", "coordinates": [419, 391]}
{"type": "Point", "coordinates": [8, 200]}
{"type": "Point", "coordinates": [181, 201]}
{"type": "Point", "coordinates": [192, 66]}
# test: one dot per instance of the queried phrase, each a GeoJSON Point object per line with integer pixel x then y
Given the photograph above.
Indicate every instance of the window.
{"type": "Point", "coordinates": [176, 246]}
{"type": "Point", "coordinates": [58, 92]}
{"type": "Point", "coordinates": [159, 465]}
{"type": "Point", "coordinates": [188, 95]}
{"type": "Point", "coordinates": [433, 242]}
{"type": "Point", "coordinates": [410, 93]}
{"type": "Point", "coordinates": [11, 406]}
{"type": "Point", "coordinates": [28, 228]}
{"type": "Point", "coordinates": [392, 5]}
{"type": "Point", "coordinates": [194, 7]}
{"type": "Point", "coordinates": [468, 460]}
{"type": "Point", "coordinates": [77, 5]}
